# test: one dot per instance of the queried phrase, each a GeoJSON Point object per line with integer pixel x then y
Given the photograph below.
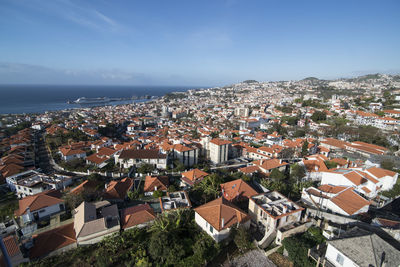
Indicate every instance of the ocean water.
{"type": "Point", "coordinates": [40, 98]}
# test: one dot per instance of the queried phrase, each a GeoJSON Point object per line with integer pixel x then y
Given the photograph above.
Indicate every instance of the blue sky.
{"type": "Point", "coordinates": [187, 42]}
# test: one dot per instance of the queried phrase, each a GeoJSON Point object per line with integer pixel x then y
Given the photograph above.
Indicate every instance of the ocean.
{"type": "Point", "coordinates": [40, 98]}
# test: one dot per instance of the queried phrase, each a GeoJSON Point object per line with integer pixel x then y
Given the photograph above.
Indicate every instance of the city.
{"type": "Point", "coordinates": [301, 173]}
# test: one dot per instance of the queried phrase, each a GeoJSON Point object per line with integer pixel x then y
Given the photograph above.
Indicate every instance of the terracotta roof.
{"type": "Point", "coordinates": [194, 174]}
{"type": "Point", "coordinates": [142, 154]}
{"type": "Point", "coordinates": [214, 211]}
{"type": "Point", "coordinates": [181, 148]}
{"type": "Point", "coordinates": [237, 189]}
{"type": "Point", "coordinates": [340, 161]}
{"type": "Point", "coordinates": [332, 189]}
{"type": "Point", "coordinates": [137, 215]}
{"type": "Point", "coordinates": [161, 182]}
{"type": "Point", "coordinates": [350, 201]}
{"type": "Point", "coordinates": [249, 169]}
{"type": "Point", "coordinates": [334, 142]}
{"type": "Point", "coordinates": [118, 189]}
{"type": "Point", "coordinates": [269, 164]}
{"type": "Point", "coordinates": [52, 240]}
{"type": "Point", "coordinates": [94, 158]}
{"type": "Point", "coordinates": [355, 178]}
{"type": "Point", "coordinates": [11, 245]}
{"type": "Point", "coordinates": [379, 172]}
{"type": "Point", "coordinates": [220, 142]}
{"type": "Point", "coordinates": [69, 151]}
{"type": "Point", "coordinates": [39, 201]}
{"type": "Point", "coordinates": [86, 185]}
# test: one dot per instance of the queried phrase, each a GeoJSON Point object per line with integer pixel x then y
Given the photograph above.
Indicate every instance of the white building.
{"type": "Point", "coordinates": [219, 150]}
{"type": "Point", "coordinates": [217, 217]}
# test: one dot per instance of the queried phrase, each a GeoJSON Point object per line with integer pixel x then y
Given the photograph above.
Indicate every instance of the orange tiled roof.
{"type": "Point", "coordinates": [118, 189]}
{"type": "Point", "coordinates": [350, 201]}
{"type": "Point", "coordinates": [161, 182]}
{"type": "Point", "coordinates": [39, 201]}
{"type": "Point", "coordinates": [237, 189]}
{"type": "Point", "coordinates": [46, 242]}
{"type": "Point", "coordinates": [214, 211]}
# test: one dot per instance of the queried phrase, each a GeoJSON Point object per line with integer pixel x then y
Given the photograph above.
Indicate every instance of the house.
{"type": "Point", "coordinates": [273, 211]}
{"type": "Point", "coordinates": [274, 139]}
{"type": "Point", "coordinates": [267, 165]}
{"type": "Point", "coordinates": [40, 206]}
{"type": "Point", "coordinates": [87, 186]}
{"type": "Point", "coordinates": [217, 217]}
{"type": "Point", "coordinates": [237, 190]}
{"type": "Point", "coordinates": [341, 200]}
{"type": "Point", "coordinates": [33, 183]}
{"type": "Point", "coordinates": [118, 190]}
{"type": "Point", "coordinates": [94, 221]}
{"type": "Point", "coordinates": [129, 158]}
{"type": "Point", "coordinates": [192, 177]}
{"type": "Point", "coordinates": [369, 181]}
{"type": "Point", "coordinates": [53, 242]}
{"type": "Point", "coordinates": [155, 183]}
{"type": "Point", "coordinates": [175, 200]}
{"type": "Point", "coordinates": [68, 154]}
{"type": "Point", "coordinates": [137, 216]}
{"type": "Point", "coordinates": [359, 247]}
{"type": "Point", "coordinates": [219, 150]}
{"type": "Point", "coordinates": [313, 166]}
{"type": "Point", "coordinates": [10, 252]}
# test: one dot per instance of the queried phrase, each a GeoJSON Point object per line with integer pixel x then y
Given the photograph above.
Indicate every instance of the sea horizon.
{"type": "Point", "coordinates": [35, 98]}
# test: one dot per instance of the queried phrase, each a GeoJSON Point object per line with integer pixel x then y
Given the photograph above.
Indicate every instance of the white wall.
{"type": "Point", "coordinates": [331, 255]}
{"type": "Point", "coordinates": [217, 236]}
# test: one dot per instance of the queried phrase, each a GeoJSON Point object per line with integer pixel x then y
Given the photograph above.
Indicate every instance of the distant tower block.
{"type": "Point", "coordinates": [165, 113]}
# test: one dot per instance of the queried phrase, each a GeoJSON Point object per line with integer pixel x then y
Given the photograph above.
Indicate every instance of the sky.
{"type": "Point", "coordinates": [188, 42]}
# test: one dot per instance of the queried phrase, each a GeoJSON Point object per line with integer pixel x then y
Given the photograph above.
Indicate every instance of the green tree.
{"type": "Point", "coordinates": [277, 175]}
{"type": "Point", "coordinates": [242, 239]}
{"type": "Point", "coordinates": [330, 164]}
{"type": "Point", "coordinates": [304, 148]}
{"type": "Point", "coordinates": [387, 164]}
{"type": "Point", "coordinates": [318, 116]}
{"type": "Point", "coordinates": [146, 168]}
{"type": "Point", "coordinates": [297, 172]}
{"type": "Point", "coordinates": [157, 194]}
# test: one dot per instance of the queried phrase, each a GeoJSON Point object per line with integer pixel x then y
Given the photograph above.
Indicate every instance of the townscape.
{"type": "Point", "coordinates": [288, 173]}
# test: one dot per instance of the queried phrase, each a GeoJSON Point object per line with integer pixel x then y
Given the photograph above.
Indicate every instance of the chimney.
{"type": "Point", "coordinates": [280, 161]}
{"type": "Point", "coordinates": [222, 223]}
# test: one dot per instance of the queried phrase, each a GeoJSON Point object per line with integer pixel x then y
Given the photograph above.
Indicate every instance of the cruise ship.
{"type": "Point", "coordinates": [97, 100]}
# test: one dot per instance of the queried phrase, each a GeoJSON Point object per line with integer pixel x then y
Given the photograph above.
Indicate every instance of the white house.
{"type": "Point", "coordinates": [131, 157]}
{"type": "Point", "coordinates": [217, 217]}
{"type": "Point", "coordinates": [342, 200]}
{"type": "Point", "coordinates": [37, 207]}
{"type": "Point", "coordinates": [68, 154]}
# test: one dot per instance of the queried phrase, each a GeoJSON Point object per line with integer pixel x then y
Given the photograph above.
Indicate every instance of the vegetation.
{"type": "Point", "coordinates": [111, 131]}
{"type": "Point", "coordinates": [173, 240]}
{"type": "Point", "coordinates": [76, 164]}
{"type": "Point", "coordinates": [394, 192]}
{"type": "Point", "coordinates": [13, 130]}
{"type": "Point", "coordinates": [8, 204]}
{"type": "Point", "coordinates": [242, 239]}
{"type": "Point", "coordinates": [330, 164]}
{"type": "Point", "coordinates": [298, 245]}
{"type": "Point", "coordinates": [146, 168]}
{"type": "Point", "coordinates": [318, 116]}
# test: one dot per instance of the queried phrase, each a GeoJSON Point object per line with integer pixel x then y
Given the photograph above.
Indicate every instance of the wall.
{"type": "Point", "coordinates": [331, 255]}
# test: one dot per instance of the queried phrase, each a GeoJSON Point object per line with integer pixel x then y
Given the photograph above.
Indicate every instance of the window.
{"type": "Point", "coordinates": [211, 229]}
{"type": "Point", "coordinates": [339, 259]}
{"type": "Point", "coordinates": [206, 224]}
{"type": "Point", "coordinates": [41, 211]}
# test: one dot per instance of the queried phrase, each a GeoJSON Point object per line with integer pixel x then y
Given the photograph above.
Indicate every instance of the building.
{"type": "Point", "coordinates": [192, 177]}
{"type": "Point", "coordinates": [267, 165]}
{"type": "Point", "coordinates": [217, 217]}
{"type": "Point", "coordinates": [175, 200]}
{"type": "Point", "coordinates": [129, 158]}
{"type": "Point", "coordinates": [237, 190]}
{"type": "Point", "coordinates": [188, 156]}
{"type": "Point", "coordinates": [274, 211]}
{"type": "Point", "coordinates": [118, 190]}
{"type": "Point", "coordinates": [155, 183]}
{"type": "Point", "coordinates": [39, 207]}
{"type": "Point", "coordinates": [341, 200]}
{"type": "Point", "coordinates": [369, 181]}
{"type": "Point", "coordinates": [137, 216]}
{"type": "Point", "coordinates": [219, 150]}
{"type": "Point", "coordinates": [94, 221]}
{"type": "Point", "coordinates": [10, 252]}
{"type": "Point", "coordinates": [68, 154]}
{"type": "Point", "coordinates": [53, 242]}
{"type": "Point", "coordinates": [357, 247]}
